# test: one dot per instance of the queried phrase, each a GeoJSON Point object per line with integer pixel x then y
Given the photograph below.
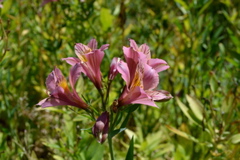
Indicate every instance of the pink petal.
{"type": "Point", "coordinates": [93, 70]}
{"type": "Point", "coordinates": [93, 44]}
{"type": "Point", "coordinates": [104, 47]}
{"type": "Point", "coordinates": [81, 49]}
{"type": "Point", "coordinates": [150, 78]}
{"type": "Point", "coordinates": [50, 82]}
{"type": "Point", "coordinates": [75, 72]}
{"type": "Point", "coordinates": [133, 44]}
{"type": "Point", "coordinates": [132, 58]}
{"type": "Point", "coordinates": [160, 95]}
{"type": "Point", "coordinates": [158, 64]}
{"type": "Point", "coordinates": [50, 102]}
{"type": "Point", "coordinates": [146, 50]}
{"type": "Point", "coordinates": [71, 60]}
{"type": "Point", "coordinates": [123, 69]}
{"type": "Point", "coordinates": [136, 96]}
{"type": "Point", "coordinates": [113, 68]}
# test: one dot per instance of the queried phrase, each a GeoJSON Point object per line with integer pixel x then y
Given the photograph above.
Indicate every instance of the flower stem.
{"type": "Point", "coordinates": [102, 97]}
{"type": "Point", "coordinates": [110, 147]}
{"type": "Point", "coordinates": [108, 90]}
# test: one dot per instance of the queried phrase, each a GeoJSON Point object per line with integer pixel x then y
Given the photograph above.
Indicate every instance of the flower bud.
{"type": "Point", "coordinates": [100, 128]}
{"type": "Point", "coordinates": [113, 68]}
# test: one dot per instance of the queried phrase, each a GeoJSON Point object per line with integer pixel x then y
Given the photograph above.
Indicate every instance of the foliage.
{"type": "Point", "coordinates": [198, 39]}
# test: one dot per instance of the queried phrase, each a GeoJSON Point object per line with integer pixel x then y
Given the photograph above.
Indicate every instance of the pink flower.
{"type": "Point", "coordinates": [100, 128]}
{"type": "Point", "coordinates": [157, 64]}
{"type": "Point", "coordinates": [141, 80]}
{"type": "Point", "coordinates": [90, 59]}
{"type": "Point", "coordinates": [59, 92]}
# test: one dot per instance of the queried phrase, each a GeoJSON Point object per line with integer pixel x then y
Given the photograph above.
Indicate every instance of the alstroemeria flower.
{"type": "Point", "coordinates": [100, 128]}
{"type": "Point", "coordinates": [157, 64]}
{"type": "Point", "coordinates": [141, 80]}
{"type": "Point", "coordinates": [59, 92]}
{"type": "Point", "coordinates": [90, 59]}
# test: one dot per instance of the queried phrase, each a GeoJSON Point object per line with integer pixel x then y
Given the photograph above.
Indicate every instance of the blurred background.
{"type": "Point", "coordinates": [200, 40]}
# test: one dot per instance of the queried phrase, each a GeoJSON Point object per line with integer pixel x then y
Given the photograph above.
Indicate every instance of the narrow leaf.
{"type": "Point", "coordinates": [182, 134]}
{"type": "Point", "coordinates": [116, 131]}
{"type": "Point", "coordinates": [187, 112]}
{"type": "Point", "coordinates": [130, 153]}
{"type": "Point", "coordinates": [235, 138]}
{"type": "Point", "coordinates": [196, 106]}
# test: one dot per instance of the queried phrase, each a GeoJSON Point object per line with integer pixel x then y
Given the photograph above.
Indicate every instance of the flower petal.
{"type": "Point", "coordinates": [50, 102]}
{"type": "Point", "coordinates": [92, 44]}
{"type": "Point", "coordinates": [104, 47]}
{"type": "Point", "coordinates": [133, 44]}
{"type": "Point", "coordinates": [75, 72]}
{"type": "Point", "coordinates": [158, 64]}
{"type": "Point", "coordinates": [132, 58]}
{"type": "Point", "coordinates": [145, 49]}
{"type": "Point", "coordinates": [113, 68]}
{"type": "Point", "coordinates": [136, 96]}
{"type": "Point", "coordinates": [160, 95]}
{"type": "Point", "coordinates": [71, 60]}
{"type": "Point", "coordinates": [123, 69]}
{"type": "Point", "coordinates": [150, 78]}
{"type": "Point", "coordinates": [51, 82]}
{"type": "Point", "coordinates": [92, 69]}
{"type": "Point", "coordinates": [81, 50]}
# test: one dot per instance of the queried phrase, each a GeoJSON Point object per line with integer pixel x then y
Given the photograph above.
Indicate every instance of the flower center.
{"type": "Point", "coordinates": [63, 84]}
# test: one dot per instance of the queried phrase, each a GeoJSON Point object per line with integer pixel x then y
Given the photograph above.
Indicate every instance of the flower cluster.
{"type": "Point", "coordinates": [139, 71]}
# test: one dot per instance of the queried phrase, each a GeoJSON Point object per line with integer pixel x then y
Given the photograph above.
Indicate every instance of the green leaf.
{"type": "Point", "coordinates": [130, 153]}
{"type": "Point", "coordinates": [196, 106]}
{"type": "Point", "coordinates": [6, 6]}
{"type": "Point", "coordinates": [206, 5]}
{"type": "Point", "coordinates": [116, 131]}
{"type": "Point", "coordinates": [182, 134]}
{"type": "Point", "coordinates": [235, 138]}
{"type": "Point", "coordinates": [106, 18]}
{"type": "Point", "coordinates": [56, 157]}
{"type": "Point", "coordinates": [95, 151]}
{"type": "Point", "coordinates": [182, 6]}
{"type": "Point", "coordinates": [129, 111]}
{"type": "Point", "coordinates": [187, 112]}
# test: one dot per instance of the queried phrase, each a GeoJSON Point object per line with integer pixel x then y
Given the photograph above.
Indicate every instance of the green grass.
{"type": "Point", "coordinates": [199, 39]}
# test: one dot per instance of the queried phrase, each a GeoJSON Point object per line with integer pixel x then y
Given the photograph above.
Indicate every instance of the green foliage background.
{"type": "Point", "coordinates": [200, 39]}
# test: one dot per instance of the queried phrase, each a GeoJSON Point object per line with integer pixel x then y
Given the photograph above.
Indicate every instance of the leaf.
{"type": "Point", "coordinates": [130, 153]}
{"type": "Point", "coordinates": [6, 6]}
{"type": "Point", "coordinates": [95, 151]}
{"type": "Point", "coordinates": [130, 109]}
{"type": "Point", "coordinates": [182, 6]}
{"type": "Point", "coordinates": [187, 112]}
{"type": "Point", "coordinates": [116, 131]}
{"type": "Point", "coordinates": [196, 106]}
{"type": "Point", "coordinates": [106, 18]}
{"type": "Point", "coordinates": [182, 134]}
{"type": "Point", "coordinates": [235, 138]}
{"type": "Point", "coordinates": [206, 5]}
{"type": "Point", "coordinates": [56, 157]}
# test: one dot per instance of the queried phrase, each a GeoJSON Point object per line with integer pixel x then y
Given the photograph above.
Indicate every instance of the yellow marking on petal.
{"type": "Point", "coordinates": [63, 84]}
{"type": "Point", "coordinates": [82, 58]}
{"type": "Point", "coordinates": [137, 81]}
{"type": "Point", "coordinates": [83, 49]}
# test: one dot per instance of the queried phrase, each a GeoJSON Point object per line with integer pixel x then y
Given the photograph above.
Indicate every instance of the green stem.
{"type": "Point", "coordinates": [108, 90]}
{"type": "Point", "coordinates": [110, 147]}
{"type": "Point", "coordinates": [102, 97]}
